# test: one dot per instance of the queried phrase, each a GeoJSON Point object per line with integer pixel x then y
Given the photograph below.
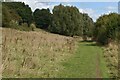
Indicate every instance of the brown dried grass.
{"type": "Point", "coordinates": [111, 57]}
{"type": "Point", "coordinates": [34, 54]}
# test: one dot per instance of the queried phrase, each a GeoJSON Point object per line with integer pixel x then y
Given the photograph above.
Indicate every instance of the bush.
{"type": "Point", "coordinates": [14, 24]}
{"type": "Point", "coordinates": [24, 27]}
{"type": "Point", "coordinates": [107, 28]}
{"type": "Point", "coordinates": [32, 27]}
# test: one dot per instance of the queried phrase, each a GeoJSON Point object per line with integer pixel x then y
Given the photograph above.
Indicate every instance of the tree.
{"type": "Point", "coordinates": [42, 18]}
{"type": "Point", "coordinates": [16, 15]}
{"type": "Point", "coordinates": [24, 11]}
{"type": "Point", "coordinates": [67, 20]}
{"type": "Point", "coordinates": [8, 15]}
{"type": "Point", "coordinates": [107, 28]}
{"type": "Point", "coordinates": [88, 26]}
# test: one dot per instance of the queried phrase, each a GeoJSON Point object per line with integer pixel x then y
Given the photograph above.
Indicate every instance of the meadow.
{"type": "Point", "coordinates": [34, 54]}
{"type": "Point", "coordinates": [64, 43]}
{"type": "Point", "coordinates": [39, 54]}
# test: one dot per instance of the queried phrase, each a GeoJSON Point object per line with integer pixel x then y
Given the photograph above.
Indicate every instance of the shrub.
{"type": "Point", "coordinates": [107, 28]}
{"type": "Point", "coordinates": [32, 27]}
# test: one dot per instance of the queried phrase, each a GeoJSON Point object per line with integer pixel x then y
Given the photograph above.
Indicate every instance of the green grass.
{"type": "Point", "coordinates": [83, 64]}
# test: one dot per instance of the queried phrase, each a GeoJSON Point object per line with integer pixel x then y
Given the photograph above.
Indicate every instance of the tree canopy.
{"type": "Point", "coordinates": [20, 9]}
{"type": "Point", "coordinates": [42, 18]}
{"type": "Point", "coordinates": [67, 20]}
{"type": "Point", "coordinates": [107, 28]}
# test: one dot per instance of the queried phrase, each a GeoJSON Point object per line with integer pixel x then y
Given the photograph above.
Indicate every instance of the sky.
{"type": "Point", "coordinates": [94, 9]}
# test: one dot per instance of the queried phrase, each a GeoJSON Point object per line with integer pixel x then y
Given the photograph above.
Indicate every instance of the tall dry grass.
{"type": "Point", "coordinates": [34, 54]}
{"type": "Point", "coordinates": [111, 57]}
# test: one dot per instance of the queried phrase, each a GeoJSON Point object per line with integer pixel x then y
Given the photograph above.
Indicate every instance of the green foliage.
{"type": "Point", "coordinates": [8, 15]}
{"type": "Point", "coordinates": [88, 26]}
{"type": "Point", "coordinates": [118, 29]}
{"type": "Point", "coordinates": [24, 27]}
{"type": "Point", "coordinates": [107, 28]}
{"type": "Point", "coordinates": [24, 11]}
{"type": "Point", "coordinates": [16, 15]}
{"type": "Point", "coordinates": [42, 18]}
{"type": "Point", "coordinates": [67, 20]}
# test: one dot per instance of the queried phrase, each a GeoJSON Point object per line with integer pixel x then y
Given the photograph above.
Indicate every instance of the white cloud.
{"type": "Point", "coordinates": [108, 12]}
{"type": "Point", "coordinates": [81, 10]}
{"type": "Point", "coordinates": [31, 3]}
{"type": "Point", "coordinates": [42, 5]}
{"type": "Point", "coordinates": [67, 4]}
{"type": "Point", "coordinates": [38, 4]}
{"type": "Point", "coordinates": [90, 12]}
{"type": "Point", "coordinates": [87, 10]}
{"type": "Point", "coordinates": [94, 14]}
{"type": "Point", "coordinates": [111, 8]}
{"type": "Point", "coordinates": [45, 6]}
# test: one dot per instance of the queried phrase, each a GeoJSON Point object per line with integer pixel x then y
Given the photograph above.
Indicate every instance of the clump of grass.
{"type": "Point", "coordinates": [111, 57]}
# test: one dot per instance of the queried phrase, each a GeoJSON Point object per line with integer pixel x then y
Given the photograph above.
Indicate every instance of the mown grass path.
{"type": "Point", "coordinates": [87, 62]}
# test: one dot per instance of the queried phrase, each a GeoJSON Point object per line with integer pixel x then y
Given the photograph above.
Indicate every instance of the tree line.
{"type": "Point", "coordinates": [64, 20]}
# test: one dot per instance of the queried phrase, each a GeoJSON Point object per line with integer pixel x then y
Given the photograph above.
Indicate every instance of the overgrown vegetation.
{"type": "Point", "coordinates": [107, 28]}
{"type": "Point", "coordinates": [34, 54]}
{"type": "Point", "coordinates": [65, 20]}
{"type": "Point", "coordinates": [16, 15]}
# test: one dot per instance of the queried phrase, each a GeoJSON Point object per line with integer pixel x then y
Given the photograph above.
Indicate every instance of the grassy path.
{"type": "Point", "coordinates": [87, 62]}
